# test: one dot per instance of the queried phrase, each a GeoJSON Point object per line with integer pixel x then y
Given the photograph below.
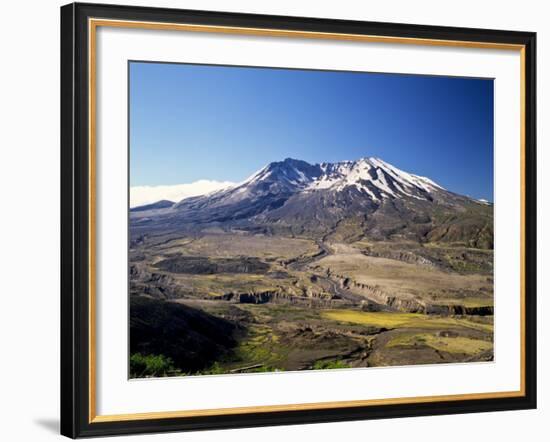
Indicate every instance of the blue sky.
{"type": "Point", "coordinates": [191, 122]}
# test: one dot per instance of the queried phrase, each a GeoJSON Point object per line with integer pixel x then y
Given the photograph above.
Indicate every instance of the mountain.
{"type": "Point", "coordinates": [267, 189]}
{"type": "Point", "coordinates": [162, 204]}
{"type": "Point", "coordinates": [347, 200]}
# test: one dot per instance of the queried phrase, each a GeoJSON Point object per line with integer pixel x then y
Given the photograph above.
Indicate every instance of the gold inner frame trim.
{"type": "Point", "coordinates": [93, 24]}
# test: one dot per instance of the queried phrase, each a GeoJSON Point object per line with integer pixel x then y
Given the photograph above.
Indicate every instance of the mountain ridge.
{"type": "Point", "coordinates": [369, 196]}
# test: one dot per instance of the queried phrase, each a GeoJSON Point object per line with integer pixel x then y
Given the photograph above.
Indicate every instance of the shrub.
{"type": "Point", "coordinates": [150, 365]}
{"type": "Point", "coordinates": [323, 365]}
{"type": "Point", "coordinates": [215, 368]}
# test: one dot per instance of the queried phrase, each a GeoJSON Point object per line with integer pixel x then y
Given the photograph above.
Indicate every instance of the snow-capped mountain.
{"type": "Point", "coordinates": [372, 177]}
{"type": "Point", "coordinates": [295, 196]}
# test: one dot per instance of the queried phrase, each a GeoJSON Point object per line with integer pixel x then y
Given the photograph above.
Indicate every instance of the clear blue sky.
{"type": "Point", "coordinates": [190, 122]}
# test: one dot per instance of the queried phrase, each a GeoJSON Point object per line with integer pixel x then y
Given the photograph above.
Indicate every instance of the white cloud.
{"type": "Point", "coordinates": [140, 195]}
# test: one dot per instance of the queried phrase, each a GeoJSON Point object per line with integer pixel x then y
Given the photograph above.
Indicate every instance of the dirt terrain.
{"type": "Point", "coordinates": [295, 303]}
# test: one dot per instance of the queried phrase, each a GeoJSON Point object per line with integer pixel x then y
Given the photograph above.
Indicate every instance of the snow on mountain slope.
{"type": "Point", "coordinates": [367, 173]}
{"type": "Point", "coordinates": [275, 181]}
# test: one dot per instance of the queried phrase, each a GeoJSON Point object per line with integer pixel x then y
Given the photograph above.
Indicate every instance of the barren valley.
{"type": "Point", "coordinates": [242, 281]}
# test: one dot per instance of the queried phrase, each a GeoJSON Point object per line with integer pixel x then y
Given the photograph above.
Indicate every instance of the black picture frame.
{"type": "Point", "coordinates": [75, 221]}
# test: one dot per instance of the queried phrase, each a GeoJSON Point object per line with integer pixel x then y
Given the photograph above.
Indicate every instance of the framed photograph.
{"type": "Point", "coordinates": [273, 220]}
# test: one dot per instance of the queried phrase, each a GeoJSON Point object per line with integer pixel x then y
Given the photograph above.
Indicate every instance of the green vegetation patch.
{"type": "Point", "coordinates": [261, 347]}
{"type": "Point", "coordinates": [458, 344]}
{"type": "Point", "coordinates": [150, 365]}
{"type": "Point", "coordinates": [466, 302]}
{"type": "Point", "coordinates": [329, 365]}
{"type": "Point", "coordinates": [402, 320]}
